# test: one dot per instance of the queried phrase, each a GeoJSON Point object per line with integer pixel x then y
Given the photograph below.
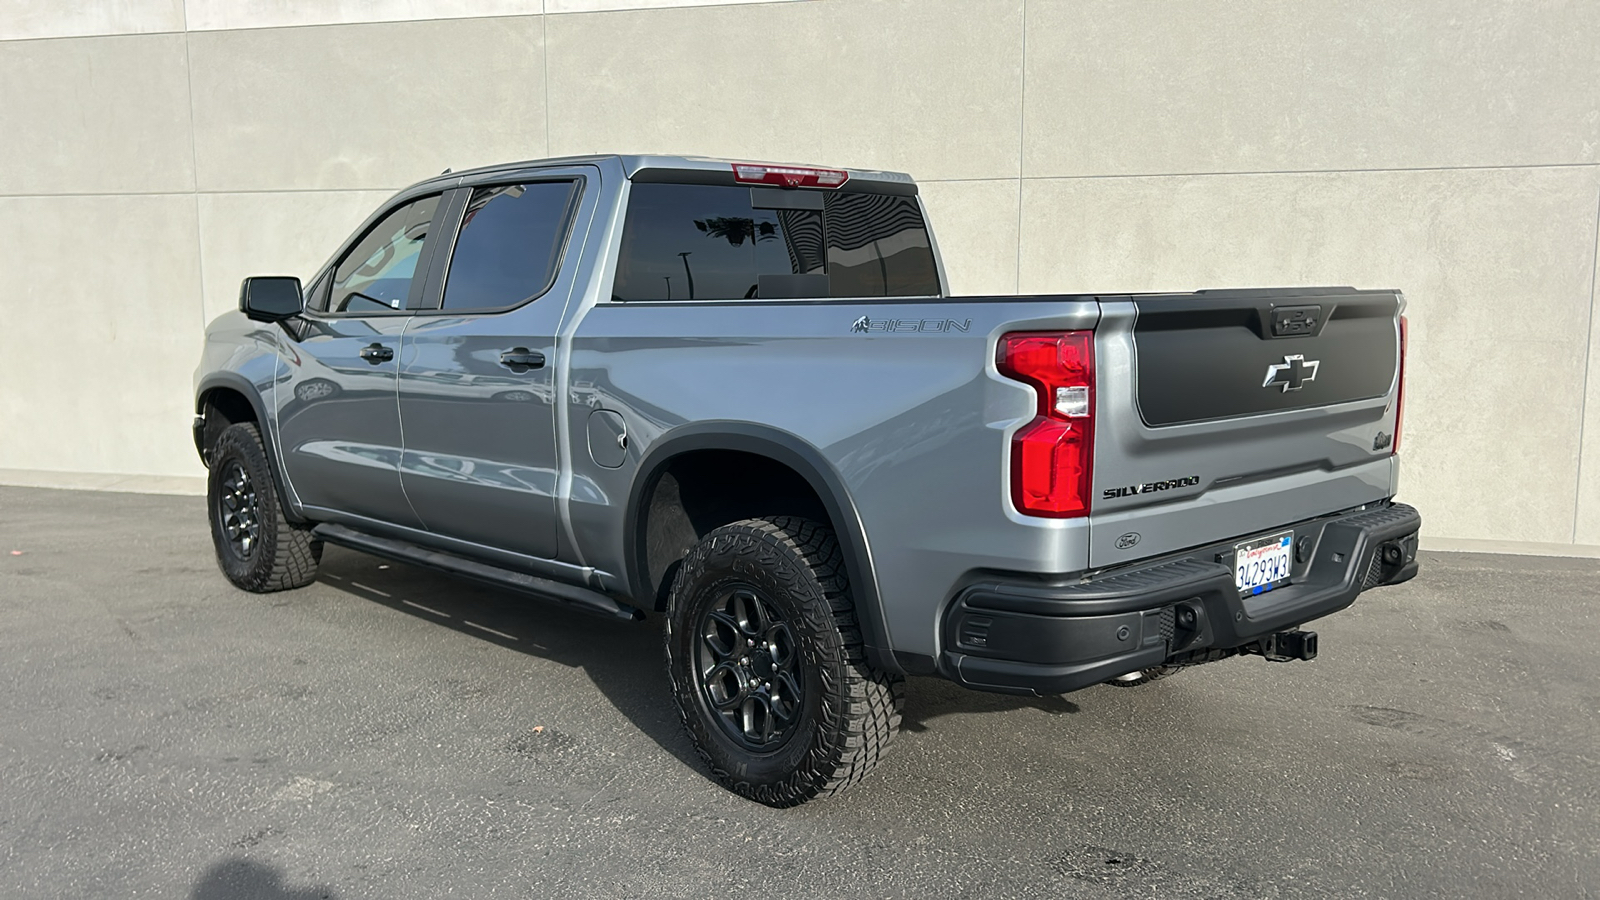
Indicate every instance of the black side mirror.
{"type": "Point", "coordinates": [271, 298]}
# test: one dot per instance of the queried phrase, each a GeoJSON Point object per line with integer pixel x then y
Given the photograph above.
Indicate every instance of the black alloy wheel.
{"type": "Point", "coordinates": [239, 511]}
{"type": "Point", "coordinates": [749, 667]}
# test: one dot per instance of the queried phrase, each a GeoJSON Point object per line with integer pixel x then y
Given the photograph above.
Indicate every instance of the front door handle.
{"type": "Point", "coordinates": [522, 357]}
{"type": "Point", "coordinates": [376, 353]}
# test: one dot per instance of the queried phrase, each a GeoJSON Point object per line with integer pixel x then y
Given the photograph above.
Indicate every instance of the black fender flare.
{"type": "Point", "coordinates": [792, 451]}
{"type": "Point", "coordinates": [241, 385]}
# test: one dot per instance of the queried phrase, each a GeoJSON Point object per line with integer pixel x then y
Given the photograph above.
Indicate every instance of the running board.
{"type": "Point", "coordinates": [572, 596]}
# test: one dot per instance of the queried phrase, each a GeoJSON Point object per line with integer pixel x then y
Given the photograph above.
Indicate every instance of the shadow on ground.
{"type": "Point", "coordinates": [242, 879]}
{"type": "Point", "coordinates": [623, 659]}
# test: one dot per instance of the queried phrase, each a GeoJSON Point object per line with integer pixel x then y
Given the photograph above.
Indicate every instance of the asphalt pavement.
{"type": "Point", "coordinates": [391, 733]}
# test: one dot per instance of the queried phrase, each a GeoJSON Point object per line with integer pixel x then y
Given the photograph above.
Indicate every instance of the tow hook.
{"type": "Point", "coordinates": [1190, 627]}
{"type": "Point", "coordinates": [1285, 646]}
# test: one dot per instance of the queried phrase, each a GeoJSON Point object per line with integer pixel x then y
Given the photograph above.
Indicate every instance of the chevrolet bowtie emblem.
{"type": "Point", "coordinates": [1292, 373]}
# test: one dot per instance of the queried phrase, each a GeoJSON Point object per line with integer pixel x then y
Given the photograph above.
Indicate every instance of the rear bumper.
{"type": "Point", "coordinates": [1018, 634]}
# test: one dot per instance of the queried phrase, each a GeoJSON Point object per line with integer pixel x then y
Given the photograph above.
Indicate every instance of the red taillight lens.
{"type": "Point", "coordinates": [1052, 456]}
{"type": "Point", "coordinates": [1400, 392]}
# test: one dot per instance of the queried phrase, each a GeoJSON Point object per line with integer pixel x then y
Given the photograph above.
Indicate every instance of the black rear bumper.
{"type": "Point", "coordinates": [1025, 635]}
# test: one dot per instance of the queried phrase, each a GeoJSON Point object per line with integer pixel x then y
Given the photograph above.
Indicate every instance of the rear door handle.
{"type": "Point", "coordinates": [522, 357]}
{"type": "Point", "coordinates": [376, 353]}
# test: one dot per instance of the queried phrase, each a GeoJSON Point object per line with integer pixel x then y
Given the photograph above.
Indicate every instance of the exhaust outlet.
{"type": "Point", "coordinates": [1286, 646]}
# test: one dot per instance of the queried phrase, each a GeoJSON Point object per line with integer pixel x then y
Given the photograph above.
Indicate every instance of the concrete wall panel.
{"type": "Point", "coordinates": [95, 115]}
{"type": "Point", "coordinates": [273, 234]}
{"type": "Point", "coordinates": [1131, 87]}
{"type": "Point", "coordinates": [1495, 264]}
{"type": "Point", "coordinates": [365, 106]}
{"type": "Point", "coordinates": [930, 87]}
{"type": "Point", "coordinates": [25, 19]}
{"type": "Point", "coordinates": [975, 223]}
{"type": "Point", "coordinates": [103, 334]}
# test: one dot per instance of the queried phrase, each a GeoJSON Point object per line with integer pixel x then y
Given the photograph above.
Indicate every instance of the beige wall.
{"type": "Point", "coordinates": [153, 152]}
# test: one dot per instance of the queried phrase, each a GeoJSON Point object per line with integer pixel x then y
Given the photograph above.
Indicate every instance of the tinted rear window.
{"type": "Point", "coordinates": [714, 242]}
{"type": "Point", "coordinates": [878, 247]}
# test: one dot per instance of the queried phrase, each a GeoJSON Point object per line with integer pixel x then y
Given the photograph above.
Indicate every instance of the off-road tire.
{"type": "Point", "coordinates": [284, 555]}
{"type": "Point", "coordinates": [848, 711]}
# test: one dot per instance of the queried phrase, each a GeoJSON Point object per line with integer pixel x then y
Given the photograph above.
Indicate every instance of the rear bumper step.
{"type": "Point", "coordinates": [1021, 635]}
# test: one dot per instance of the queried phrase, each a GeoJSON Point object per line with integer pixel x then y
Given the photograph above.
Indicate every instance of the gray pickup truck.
{"type": "Point", "coordinates": [738, 394]}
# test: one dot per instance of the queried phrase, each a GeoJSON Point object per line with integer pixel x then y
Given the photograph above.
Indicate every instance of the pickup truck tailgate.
{"type": "Point", "coordinates": [1230, 413]}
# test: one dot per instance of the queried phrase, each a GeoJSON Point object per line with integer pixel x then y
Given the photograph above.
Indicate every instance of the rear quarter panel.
{"type": "Point", "coordinates": [913, 422]}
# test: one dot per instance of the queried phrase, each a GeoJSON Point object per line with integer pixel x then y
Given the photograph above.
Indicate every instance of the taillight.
{"type": "Point", "coordinates": [789, 176]}
{"type": "Point", "coordinates": [1052, 456]}
{"type": "Point", "coordinates": [1400, 389]}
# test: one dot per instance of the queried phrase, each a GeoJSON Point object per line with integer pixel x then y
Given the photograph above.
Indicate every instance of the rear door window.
{"type": "Point", "coordinates": [509, 245]}
{"type": "Point", "coordinates": [377, 274]}
{"type": "Point", "coordinates": [721, 242]}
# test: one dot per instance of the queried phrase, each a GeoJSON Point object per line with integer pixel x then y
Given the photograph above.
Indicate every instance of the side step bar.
{"type": "Point", "coordinates": [572, 596]}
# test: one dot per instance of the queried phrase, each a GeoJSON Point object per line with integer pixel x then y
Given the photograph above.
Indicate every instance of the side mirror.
{"type": "Point", "coordinates": [271, 298]}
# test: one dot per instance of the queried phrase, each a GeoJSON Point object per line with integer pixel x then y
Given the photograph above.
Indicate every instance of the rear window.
{"type": "Point", "coordinates": [722, 242]}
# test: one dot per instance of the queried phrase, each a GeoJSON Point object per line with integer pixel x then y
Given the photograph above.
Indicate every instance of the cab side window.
{"type": "Point", "coordinates": [376, 275]}
{"type": "Point", "coordinates": [510, 244]}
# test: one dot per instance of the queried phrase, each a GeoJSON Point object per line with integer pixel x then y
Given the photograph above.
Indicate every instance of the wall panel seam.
{"type": "Point", "coordinates": [430, 19]}
{"type": "Point", "coordinates": [86, 37]}
{"type": "Point", "coordinates": [542, 12]}
{"type": "Point", "coordinates": [1022, 137]}
{"type": "Point", "coordinates": [216, 191]}
{"type": "Point", "coordinates": [1397, 169]}
{"type": "Point", "coordinates": [1588, 360]}
{"type": "Point", "coordinates": [194, 169]}
{"type": "Point", "coordinates": [544, 30]}
{"type": "Point", "coordinates": [653, 9]}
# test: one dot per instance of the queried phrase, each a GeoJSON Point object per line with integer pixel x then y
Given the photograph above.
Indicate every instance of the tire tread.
{"type": "Point", "coordinates": [860, 709]}
{"type": "Point", "coordinates": [294, 553]}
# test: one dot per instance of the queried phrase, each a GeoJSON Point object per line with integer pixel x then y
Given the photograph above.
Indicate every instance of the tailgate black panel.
{"type": "Point", "coordinates": [1205, 356]}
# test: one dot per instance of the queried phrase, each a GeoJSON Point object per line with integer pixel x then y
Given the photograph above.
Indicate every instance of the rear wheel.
{"type": "Point", "coordinates": [768, 665]}
{"type": "Point", "coordinates": [258, 549]}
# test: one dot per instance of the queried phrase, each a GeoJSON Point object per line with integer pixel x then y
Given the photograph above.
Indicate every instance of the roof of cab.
{"type": "Point", "coordinates": [632, 164]}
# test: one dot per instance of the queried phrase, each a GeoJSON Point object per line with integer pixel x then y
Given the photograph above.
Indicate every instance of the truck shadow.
{"type": "Point", "coordinates": [931, 698]}
{"type": "Point", "coordinates": [622, 659]}
{"type": "Point", "coordinates": [236, 878]}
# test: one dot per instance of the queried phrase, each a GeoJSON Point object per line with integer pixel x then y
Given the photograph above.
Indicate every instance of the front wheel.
{"type": "Point", "coordinates": [257, 547]}
{"type": "Point", "coordinates": [768, 665]}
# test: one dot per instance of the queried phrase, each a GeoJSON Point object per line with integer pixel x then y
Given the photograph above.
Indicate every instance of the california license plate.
{"type": "Point", "coordinates": [1264, 563]}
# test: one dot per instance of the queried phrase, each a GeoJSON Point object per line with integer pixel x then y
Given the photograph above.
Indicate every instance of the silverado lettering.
{"type": "Point", "coordinates": [1150, 487]}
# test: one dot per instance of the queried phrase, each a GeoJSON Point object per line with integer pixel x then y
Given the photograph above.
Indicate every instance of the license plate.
{"type": "Point", "coordinates": [1264, 563]}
